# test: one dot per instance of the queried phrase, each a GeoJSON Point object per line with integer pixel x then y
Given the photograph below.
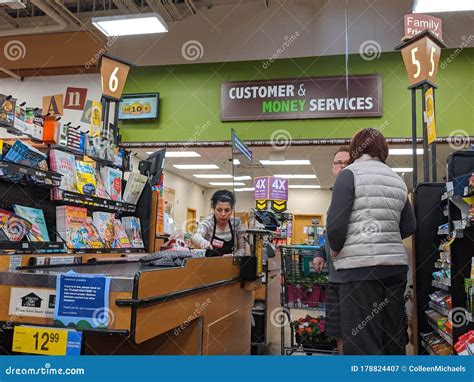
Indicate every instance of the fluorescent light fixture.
{"type": "Point", "coordinates": [296, 176]}
{"type": "Point", "coordinates": [287, 162]}
{"type": "Point", "coordinates": [434, 6]}
{"type": "Point", "coordinates": [226, 184]}
{"type": "Point", "coordinates": [245, 177]}
{"type": "Point", "coordinates": [402, 169]}
{"type": "Point", "coordinates": [127, 25]}
{"type": "Point", "coordinates": [196, 166]}
{"type": "Point", "coordinates": [301, 186]}
{"type": "Point", "coordinates": [404, 151]}
{"type": "Point", "coordinates": [236, 162]}
{"type": "Point", "coordinates": [212, 176]}
{"type": "Point", "coordinates": [245, 189]}
{"type": "Point", "coordinates": [180, 154]}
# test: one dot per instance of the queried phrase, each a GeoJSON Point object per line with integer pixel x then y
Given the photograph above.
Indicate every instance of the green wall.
{"type": "Point", "coordinates": [190, 98]}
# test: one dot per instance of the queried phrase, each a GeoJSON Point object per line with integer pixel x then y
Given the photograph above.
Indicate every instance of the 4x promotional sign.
{"type": "Point", "coordinates": [271, 188]}
{"type": "Point", "coordinates": [302, 98]}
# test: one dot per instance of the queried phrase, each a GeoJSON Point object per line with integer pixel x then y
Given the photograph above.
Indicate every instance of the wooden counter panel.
{"type": "Point", "coordinates": [197, 272]}
{"type": "Point", "coordinates": [226, 335]}
{"type": "Point", "coordinates": [120, 321]}
{"type": "Point", "coordinates": [212, 305]}
{"type": "Point", "coordinates": [188, 342]}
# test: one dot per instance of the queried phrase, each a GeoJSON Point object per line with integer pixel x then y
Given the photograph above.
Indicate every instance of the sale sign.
{"type": "Point", "coordinates": [270, 188]}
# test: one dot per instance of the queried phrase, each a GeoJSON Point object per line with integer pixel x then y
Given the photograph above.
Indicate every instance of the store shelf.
{"type": "Point", "coordinates": [439, 285]}
{"type": "Point", "coordinates": [439, 309]}
{"type": "Point", "coordinates": [106, 250]}
{"type": "Point", "coordinates": [163, 237]}
{"type": "Point", "coordinates": [445, 336]}
{"type": "Point", "coordinates": [442, 265]}
{"type": "Point", "coordinates": [10, 171]}
{"type": "Point", "coordinates": [32, 247]}
{"type": "Point", "coordinates": [92, 201]}
{"type": "Point", "coordinates": [427, 348]}
{"type": "Point", "coordinates": [103, 162]}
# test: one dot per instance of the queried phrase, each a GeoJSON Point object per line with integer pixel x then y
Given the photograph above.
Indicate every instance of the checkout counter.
{"type": "Point", "coordinates": [201, 307]}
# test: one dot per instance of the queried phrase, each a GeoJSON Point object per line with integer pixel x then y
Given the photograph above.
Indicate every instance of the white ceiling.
{"type": "Point", "coordinates": [320, 157]}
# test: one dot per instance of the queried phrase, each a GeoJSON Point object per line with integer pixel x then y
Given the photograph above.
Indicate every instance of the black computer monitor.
{"type": "Point", "coordinates": [153, 166]}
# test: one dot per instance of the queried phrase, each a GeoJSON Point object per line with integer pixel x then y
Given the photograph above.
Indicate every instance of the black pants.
{"type": "Point", "coordinates": [372, 316]}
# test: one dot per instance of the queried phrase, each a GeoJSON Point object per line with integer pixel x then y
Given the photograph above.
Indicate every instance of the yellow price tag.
{"type": "Point", "coordinates": [35, 340]}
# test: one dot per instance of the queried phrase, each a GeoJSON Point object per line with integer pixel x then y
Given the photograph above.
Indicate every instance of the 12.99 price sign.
{"type": "Point", "coordinates": [34, 340]}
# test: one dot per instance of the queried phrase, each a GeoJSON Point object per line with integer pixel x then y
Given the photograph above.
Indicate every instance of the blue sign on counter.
{"type": "Point", "coordinates": [74, 343]}
{"type": "Point", "coordinates": [82, 301]}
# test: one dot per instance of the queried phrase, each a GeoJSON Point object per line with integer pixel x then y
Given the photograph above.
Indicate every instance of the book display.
{"type": "Point", "coordinates": [79, 191]}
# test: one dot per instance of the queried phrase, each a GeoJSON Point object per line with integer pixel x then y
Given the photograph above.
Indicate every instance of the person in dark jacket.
{"type": "Point", "coordinates": [333, 326]}
{"type": "Point", "coordinates": [369, 216]}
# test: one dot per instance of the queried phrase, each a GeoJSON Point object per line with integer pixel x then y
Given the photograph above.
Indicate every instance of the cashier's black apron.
{"type": "Point", "coordinates": [220, 247]}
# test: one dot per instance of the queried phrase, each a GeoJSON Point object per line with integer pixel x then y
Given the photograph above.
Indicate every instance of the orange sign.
{"type": "Point", "coordinates": [113, 75]}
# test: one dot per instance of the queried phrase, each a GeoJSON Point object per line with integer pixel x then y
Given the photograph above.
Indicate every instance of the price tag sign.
{"type": "Point", "coordinates": [430, 116]}
{"type": "Point", "coordinates": [113, 75]}
{"type": "Point", "coordinates": [36, 340]}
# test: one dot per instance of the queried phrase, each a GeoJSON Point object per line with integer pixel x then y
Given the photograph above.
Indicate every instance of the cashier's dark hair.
{"type": "Point", "coordinates": [224, 196]}
{"type": "Point", "coordinates": [368, 141]}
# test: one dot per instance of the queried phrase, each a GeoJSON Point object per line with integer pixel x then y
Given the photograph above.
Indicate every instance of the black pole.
{"type": "Point", "coordinates": [414, 137]}
{"type": "Point", "coordinates": [433, 147]}
{"type": "Point", "coordinates": [426, 158]}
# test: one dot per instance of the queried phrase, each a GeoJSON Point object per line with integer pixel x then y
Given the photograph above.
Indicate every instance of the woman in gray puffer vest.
{"type": "Point", "coordinates": [369, 216]}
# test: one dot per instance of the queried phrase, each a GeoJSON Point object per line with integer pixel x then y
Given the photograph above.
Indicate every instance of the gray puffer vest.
{"type": "Point", "coordinates": [373, 236]}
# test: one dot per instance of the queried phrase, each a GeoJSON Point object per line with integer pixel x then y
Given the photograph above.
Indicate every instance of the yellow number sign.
{"type": "Point", "coordinates": [35, 340]}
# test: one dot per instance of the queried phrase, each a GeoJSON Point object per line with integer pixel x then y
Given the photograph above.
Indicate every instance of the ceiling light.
{"type": "Point", "coordinates": [196, 166]}
{"type": "Point", "coordinates": [296, 176]}
{"type": "Point", "coordinates": [226, 184]}
{"type": "Point", "coordinates": [244, 189]}
{"type": "Point", "coordinates": [245, 177]}
{"type": "Point", "coordinates": [236, 162]}
{"type": "Point", "coordinates": [304, 186]}
{"type": "Point", "coordinates": [434, 6]}
{"type": "Point", "coordinates": [287, 162]}
{"type": "Point", "coordinates": [404, 151]}
{"type": "Point", "coordinates": [402, 169]}
{"type": "Point", "coordinates": [180, 154]}
{"type": "Point", "coordinates": [212, 176]}
{"type": "Point", "coordinates": [126, 25]}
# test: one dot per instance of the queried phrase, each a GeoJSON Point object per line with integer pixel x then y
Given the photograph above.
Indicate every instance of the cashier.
{"type": "Point", "coordinates": [221, 233]}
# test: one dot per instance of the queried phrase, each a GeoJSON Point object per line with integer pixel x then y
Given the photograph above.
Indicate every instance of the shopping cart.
{"type": "Point", "coordinates": [303, 289]}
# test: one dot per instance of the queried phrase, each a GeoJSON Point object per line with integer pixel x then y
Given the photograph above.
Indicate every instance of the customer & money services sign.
{"type": "Point", "coordinates": [302, 98]}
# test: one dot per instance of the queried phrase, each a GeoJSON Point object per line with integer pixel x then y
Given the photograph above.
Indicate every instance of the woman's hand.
{"type": "Point", "coordinates": [334, 253]}
{"type": "Point", "coordinates": [206, 245]}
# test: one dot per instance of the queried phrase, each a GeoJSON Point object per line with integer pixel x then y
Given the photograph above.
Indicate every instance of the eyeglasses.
{"type": "Point", "coordinates": [340, 163]}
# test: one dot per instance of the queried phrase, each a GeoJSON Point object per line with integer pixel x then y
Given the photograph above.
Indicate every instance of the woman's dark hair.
{"type": "Point", "coordinates": [224, 196]}
{"type": "Point", "coordinates": [368, 141]}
